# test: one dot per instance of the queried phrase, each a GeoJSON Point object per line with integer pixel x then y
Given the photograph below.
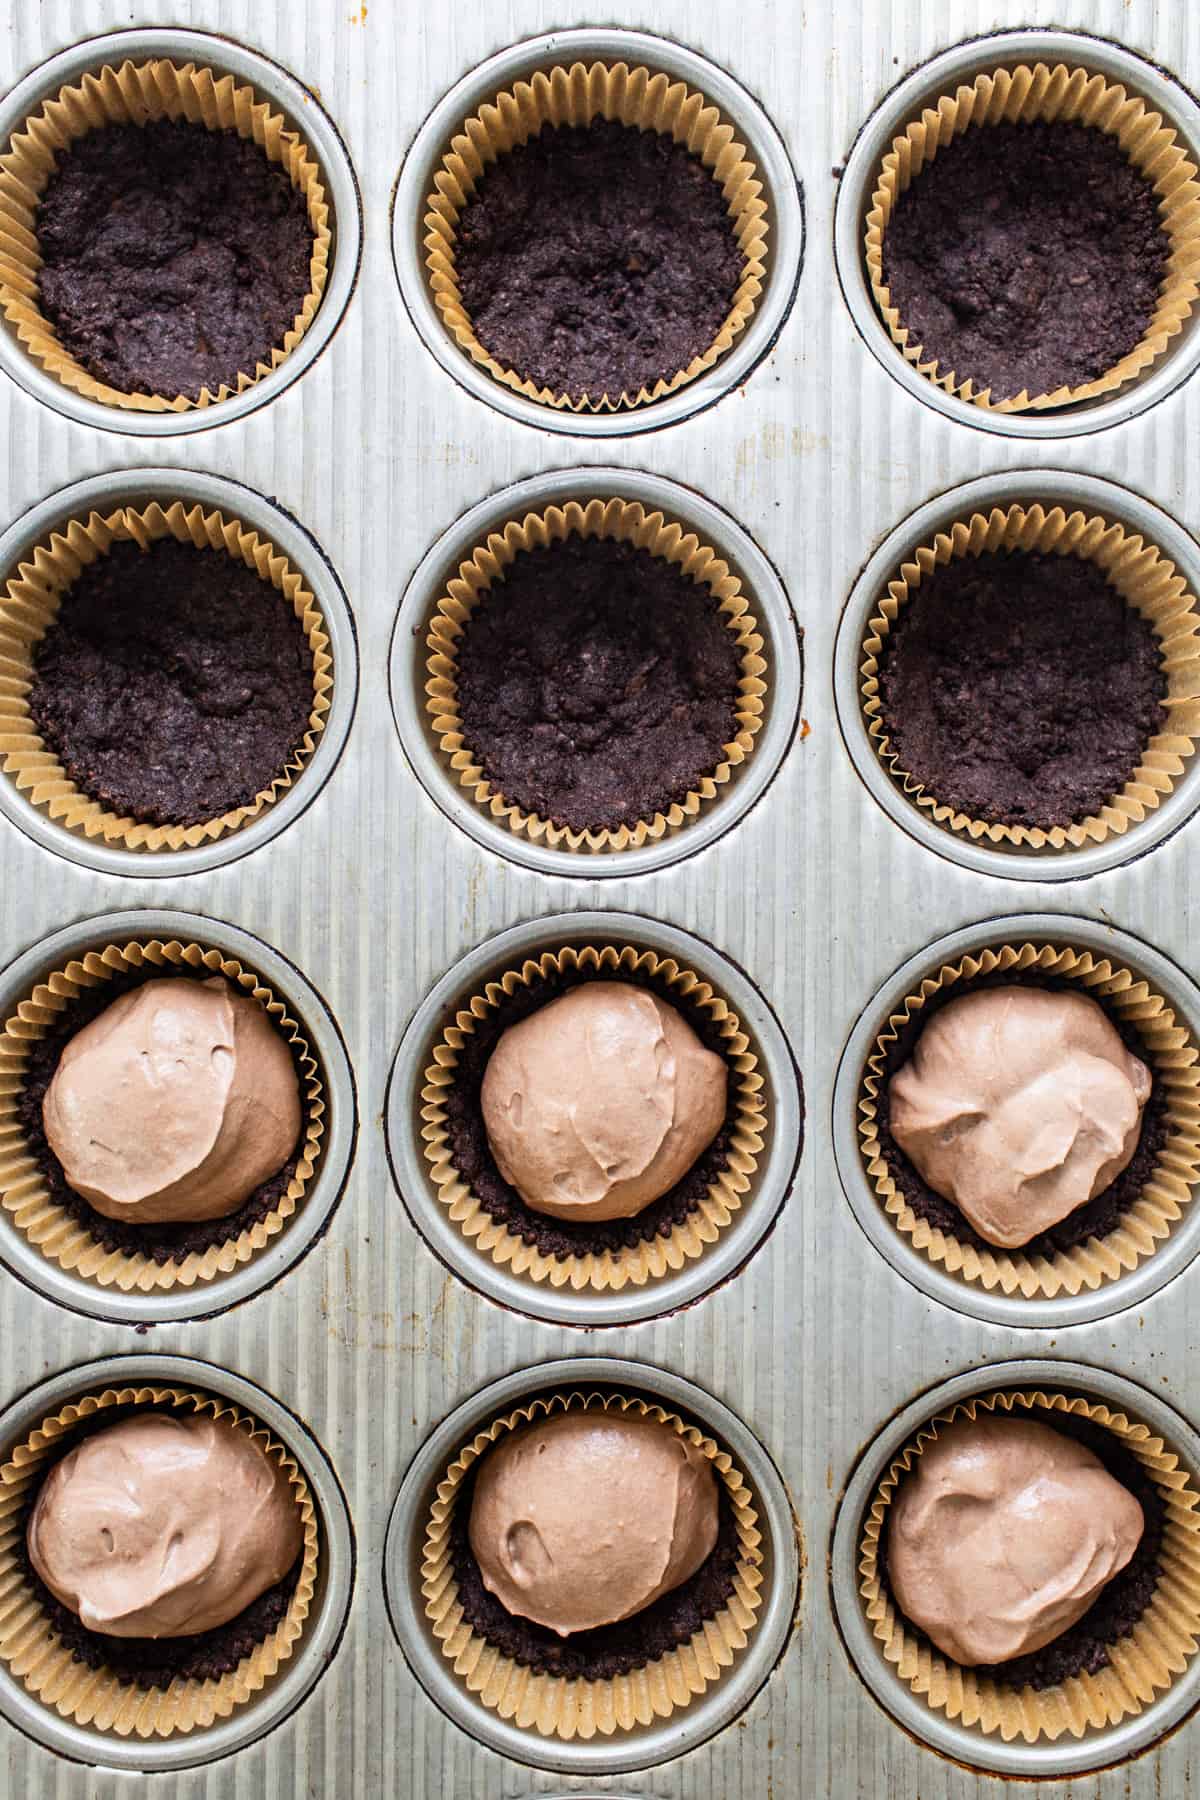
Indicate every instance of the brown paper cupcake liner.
{"type": "Point", "coordinates": [1058, 94]}
{"type": "Point", "coordinates": [1141, 1665]}
{"type": "Point", "coordinates": [1167, 1045]}
{"type": "Point", "coordinates": [138, 93]}
{"type": "Point", "coordinates": [23, 1191]}
{"type": "Point", "coordinates": [34, 1653]}
{"type": "Point", "coordinates": [555, 1706]}
{"type": "Point", "coordinates": [604, 1269]}
{"type": "Point", "coordinates": [29, 605]}
{"type": "Point", "coordinates": [1146, 581]}
{"type": "Point", "coordinates": [628, 522]}
{"type": "Point", "coordinates": [576, 96]}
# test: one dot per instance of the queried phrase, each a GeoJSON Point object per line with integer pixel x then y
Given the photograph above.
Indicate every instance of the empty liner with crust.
{"type": "Point", "coordinates": [1021, 95]}
{"type": "Point", "coordinates": [1146, 581]}
{"type": "Point", "coordinates": [627, 522]}
{"type": "Point", "coordinates": [29, 605]}
{"type": "Point", "coordinates": [575, 96]}
{"type": "Point", "coordinates": [136, 94]}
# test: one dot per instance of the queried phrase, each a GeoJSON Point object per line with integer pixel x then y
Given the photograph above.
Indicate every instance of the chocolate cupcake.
{"type": "Point", "coordinates": [597, 238]}
{"type": "Point", "coordinates": [1083, 1511]}
{"type": "Point", "coordinates": [168, 237]}
{"type": "Point", "coordinates": [1031, 240]}
{"type": "Point", "coordinates": [135, 1155]}
{"type": "Point", "coordinates": [1062, 1149]}
{"type": "Point", "coordinates": [99, 1620]}
{"type": "Point", "coordinates": [596, 1632]}
{"type": "Point", "coordinates": [675, 1117]}
{"type": "Point", "coordinates": [595, 676]}
{"type": "Point", "coordinates": [1032, 678]}
{"type": "Point", "coordinates": [178, 676]}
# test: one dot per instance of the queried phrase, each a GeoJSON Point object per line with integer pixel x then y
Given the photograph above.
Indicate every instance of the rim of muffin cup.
{"type": "Point", "coordinates": [42, 553]}
{"type": "Point", "coordinates": [88, 1716]}
{"type": "Point", "coordinates": [966, 87]}
{"type": "Point", "coordinates": [55, 1253]}
{"type": "Point", "coordinates": [572, 77]}
{"type": "Point", "coordinates": [648, 1716]}
{"type": "Point", "coordinates": [1155, 566]}
{"type": "Point", "coordinates": [671, 522]}
{"type": "Point", "coordinates": [1089, 1720]}
{"type": "Point", "coordinates": [744, 1200]}
{"type": "Point", "coordinates": [149, 74]}
{"type": "Point", "coordinates": [1157, 1235]}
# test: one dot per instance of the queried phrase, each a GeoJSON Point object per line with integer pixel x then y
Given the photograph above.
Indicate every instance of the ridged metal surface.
{"type": "Point", "coordinates": [816, 893]}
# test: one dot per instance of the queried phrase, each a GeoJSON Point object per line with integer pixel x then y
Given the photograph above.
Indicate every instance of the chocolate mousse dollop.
{"type": "Point", "coordinates": [586, 1518]}
{"type": "Point", "coordinates": [1019, 1104]}
{"type": "Point", "coordinates": [1002, 1536]}
{"type": "Point", "coordinates": [163, 1525]}
{"type": "Point", "coordinates": [174, 1104]}
{"type": "Point", "coordinates": [600, 1102]}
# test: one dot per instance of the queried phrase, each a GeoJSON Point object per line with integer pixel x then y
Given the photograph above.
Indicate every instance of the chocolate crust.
{"type": "Point", "coordinates": [152, 1662]}
{"type": "Point", "coordinates": [609, 1650]}
{"type": "Point", "coordinates": [471, 1153]}
{"type": "Point", "coordinates": [1027, 257]}
{"type": "Point", "coordinates": [597, 683]}
{"type": "Point", "coordinates": [1021, 688]}
{"type": "Point", "coordinates": [1096, 1218]}
{"type": "Point", "coordinates": [162, 1243]}
{"type": "Point", "coordinates": [597, 259]}
{"type": "Point", "coordinates": [1084, 1649]}
{"type": "Point", "coordinates": [174, 258]}
{"type": "Point", "coordinates": [174, 685]}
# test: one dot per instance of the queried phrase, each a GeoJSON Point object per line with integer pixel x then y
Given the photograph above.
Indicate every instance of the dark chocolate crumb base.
{"type": "Point", "coordinates": [174, 685]}
{"type": "Point", "coordinates": [609, 1650]}
{"type": "Point", "coordinates": [174, 258]}
{"type": "Point", "coordinates": [597, 683]}
{"type": "Point", "coordinates": [1097, 1217]}
{"type": "Point", "coordinates": [152, 1662]}
{"type": "Point", "coordinates": [161, 1243]}
{"type": "Point", "coordinates": [597, 260]}
{"type": "Point", "coordinates": [1027, 257]}
{"type": "Point", "coordinates": [1021, 688]}
{"type": "Point", "coordinates": [472, 1157]}
{"type": "Point", "coordinates": [1084, 1648]}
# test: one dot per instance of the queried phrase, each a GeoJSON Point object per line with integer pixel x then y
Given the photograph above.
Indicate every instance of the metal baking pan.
{"type": "Point", "coordinates": [380, 451]}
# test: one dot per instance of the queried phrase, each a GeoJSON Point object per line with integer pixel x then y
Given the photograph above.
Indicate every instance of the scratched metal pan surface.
{"type": "Point", "coordinates": [366, 1344]}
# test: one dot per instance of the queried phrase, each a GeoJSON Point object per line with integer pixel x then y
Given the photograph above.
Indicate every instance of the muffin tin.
{"type": "Point", "coordinates": [375, 892]}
